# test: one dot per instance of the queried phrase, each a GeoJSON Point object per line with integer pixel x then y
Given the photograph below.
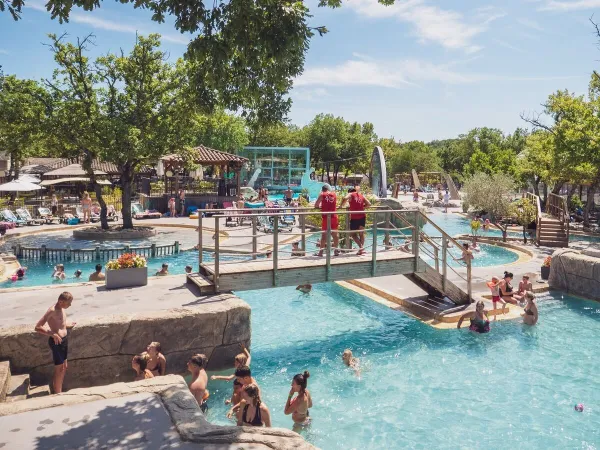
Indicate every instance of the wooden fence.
{"type": "Point", "coordinates": [92, 254]}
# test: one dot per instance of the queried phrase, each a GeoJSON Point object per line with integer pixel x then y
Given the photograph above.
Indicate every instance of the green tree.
{"type": "Point", "coordinates": [414, 155]}
{"type": "Point", "coordinates": [525, 212]}
{"type": "Point", "coordinates": [277, 135]}
{"type": "Point", "coordinates": [23, 111]}
{"type": "Point", "coordinates": [220, 131]}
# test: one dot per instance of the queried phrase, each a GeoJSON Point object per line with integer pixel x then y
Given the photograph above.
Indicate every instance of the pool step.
{"type": "Point", "coordinates": [201, 281]}
{"type": "Point", "coordinates": [20, 388]}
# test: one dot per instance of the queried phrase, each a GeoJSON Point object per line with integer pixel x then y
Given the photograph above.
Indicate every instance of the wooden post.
{"type": "Point", "coordinates": [374, 249]}
{"type": "Point", "coordinates": [254, 238]}
{"type": "Point", "coordinates": [436, 256]}
{"type": "Point", "coordinates": [444, 262]}
{"type": "Point", "coordinates": [275, 249]}
{"type": "Point", "coordinates": [328, 255]}
{"type": "Point", "coordinates": [43, 253]}
{"type": "Point", "coordinates": [200, 245]}
{"type": "Point", "coordinates": [176, 247]}
{"type": "Point", "coordinates": [152, 250]}
{"type": "Point", "coordinates": [68, 255]}
{"type": "Point", "coordinates": [97, 252]}
{"type": "Point", "coordinates": [216, 273]}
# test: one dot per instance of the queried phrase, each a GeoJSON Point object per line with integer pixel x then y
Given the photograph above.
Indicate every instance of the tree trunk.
{"type": "Point", "coordinates": [591, 192]}
{"type": "Point", "coordinates": [572, 190]}
{"type": "Point", "coordinates": [14, 166]}
{"type": "Point", "coordinates": [525, 234]}
{"type": "Point", "coordinates": [126, 197]}
{"type": "Point", "coordinates": [545, 196]}
{"type": "Point", "coordinates": [103, 209]}
{"type": "Point", "coordinates": [557, 187]}
{"type": "Point", "coordinates": [536, 186]}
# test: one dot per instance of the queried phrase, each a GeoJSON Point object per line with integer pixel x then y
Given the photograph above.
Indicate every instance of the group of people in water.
{"type": "Point", "coordinates": [503, 293]}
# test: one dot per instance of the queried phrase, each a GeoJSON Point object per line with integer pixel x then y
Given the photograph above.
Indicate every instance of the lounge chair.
{"type": "Point", "coordinates": [9, 216]}
{"type": "Point", "coordinates": [111, 213]}
{"type": "Point", "coordinates": [79, 214]}
{"type": "Point", "coordinates": [47, 217]}
{"type": "Point", "coordinates": [140, 213]}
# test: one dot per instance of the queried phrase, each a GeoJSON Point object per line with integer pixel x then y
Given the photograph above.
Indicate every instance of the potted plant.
{"type": "Point", "coordinates": [546, 267]}
{"type": "Point", "coordinates": [128, 270]}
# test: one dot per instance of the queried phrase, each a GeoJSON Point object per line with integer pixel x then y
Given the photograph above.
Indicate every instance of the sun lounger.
{"type": "Point", "coordinates": [140, 213]}
{"type": "Point", "coordinates": [230, 213]}
{"type": "Point", "coordinates": [79, 214]}
{"type": "Point", "coordinates": [9, 216]}
{"type": "Point", "coordinates": [46, 215]}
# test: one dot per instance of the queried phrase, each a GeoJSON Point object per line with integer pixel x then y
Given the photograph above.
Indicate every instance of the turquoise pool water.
{"type": "Point", "coordinates": [421, 387]}
{"type": "Point", "coordinates": [454, 224]}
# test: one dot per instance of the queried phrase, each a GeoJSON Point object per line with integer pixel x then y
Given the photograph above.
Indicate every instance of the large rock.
{"type": "Point", "coordinates": [101, 349]}
{"type": "Point", "coordinates": [576, 273]}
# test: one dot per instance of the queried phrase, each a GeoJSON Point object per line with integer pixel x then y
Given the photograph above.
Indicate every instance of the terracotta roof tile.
{"type": "Point", "coordinates": [210, 156]}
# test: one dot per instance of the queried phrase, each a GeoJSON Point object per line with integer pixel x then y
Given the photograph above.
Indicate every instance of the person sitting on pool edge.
{"type": "Point", "coordinates": [480, 322]}
{"type": "Point", "coordinates": [97, 275]}
{"type": "Point", "coordinates": [525, 285]}
{"type": "Point", "coordinates": [163, 271]}
{"type": "Point", "coordinates": [506, 289]}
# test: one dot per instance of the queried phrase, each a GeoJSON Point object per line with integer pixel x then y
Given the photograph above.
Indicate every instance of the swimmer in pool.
{"type": "Point", "coordinates": [351, 361]}
{"type": "Point", "coordinates": [298, 406]}
{"type": "Point", "coordinates": [304, 288]}
{"type": "Point", "coordinates": [480, 322]}
{"type": "Point", "coordinates": [531, 311]}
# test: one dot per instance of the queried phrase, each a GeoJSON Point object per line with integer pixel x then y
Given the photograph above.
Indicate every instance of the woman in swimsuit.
{"type": "Point", "coordinates": [480, 322]}
{"type": "Point", "coordinates": [506, 289]}
{"type": "Point", "coordinates": [298, 407]}
{"type": "Point", "coordinates": [140, 364]}
{"type": "Point", "coordinates": [86, 204]}
{"type": "Point", "coordinates": [255, 413]}
{"type": "Point", "coordinates": [531, 311]}
{"type": "Point", "coordinates": [157, 364]}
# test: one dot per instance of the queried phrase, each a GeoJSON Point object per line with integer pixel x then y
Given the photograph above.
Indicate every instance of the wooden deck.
{"type": "Point", "coordinates": [240, 276]}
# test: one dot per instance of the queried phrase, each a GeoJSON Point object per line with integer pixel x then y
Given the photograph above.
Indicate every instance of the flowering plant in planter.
{"type": "Point", "coordinates": [126, 261]}
{"type": "Point", "coordinates": [547, 261]}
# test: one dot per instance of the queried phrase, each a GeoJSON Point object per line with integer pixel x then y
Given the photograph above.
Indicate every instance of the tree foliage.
{"type": "Point", "coordinates": [220, 131]}
{"type": "Point", "coordinates": [490, 193]}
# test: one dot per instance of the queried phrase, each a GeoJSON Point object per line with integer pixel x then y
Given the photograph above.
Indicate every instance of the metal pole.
{"type": "Point", "coordinates": [275, 249]}
{"type": "Point", "coordinates": [328, 255]}
{"type": "Point", "coordinates": [436, 256]}
{"type": "Point", "coordinates": [303, 230]}
{"type": "Point", "coordinates": [444, 262]}
{"type": "Point", "coordinates": [200, 246]}
{"type": "Point", "coordinates": [254, 238]}
{"type": "Point", "coordinates": [416, 241]}
{"type": "Point", "coordinates": [216, 273]}
{"type": "Point", "coordinates": [374, 249]}
{"type": "Point", "coordinates": [347, 236]}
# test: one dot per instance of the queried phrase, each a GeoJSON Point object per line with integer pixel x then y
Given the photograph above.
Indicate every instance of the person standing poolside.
{"type": "Point", "coordinates": [157, 364]}
{"type": "Point", "coordinates": [56, 318]}
{"type": "Point", "coordinates": [358, 218]}
{"type": "Point", "coordinates": [182, 202]}
{"type": "Point", "coordinates": [139, 363]}
{"type": "Point", "coordinates": [298, 407]}
{"type": "Point", "coordinates": [54, 204]}
{"type": "Point", "coordinates": [86, 205]}
{"type": "Point", "coordinates": [196, 366]}
{"type": "Point", "coordinates": [446, 201]}
{"type": "Point", "coordinates": [494, 286]}
{"type": "Point", "coordinates": [327, 202]}
{"type": "Point", "coordinates": [172, 207]}
{"type": "Point", "coordinates": [288, 195]}
{"type": "Point", "coordinates": [415, 196]}
{"type": "Point", "coordinates": [480, 322]}
{"type": "Point", "coordinates": [254, 413]}
{"type": "Point", "coordinates": [531, 310]}
{"type": "Point", "coordinates": [97, 275]}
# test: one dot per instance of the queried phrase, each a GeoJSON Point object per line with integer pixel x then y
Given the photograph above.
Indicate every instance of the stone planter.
{"type": "Point", "coordinates": [123, 278]}
{"type": "Point", "coordinates": [545, 272]}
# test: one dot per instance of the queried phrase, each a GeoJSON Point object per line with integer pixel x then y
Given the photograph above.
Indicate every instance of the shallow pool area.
{"type": "Point", "coordinates": [421, 387]}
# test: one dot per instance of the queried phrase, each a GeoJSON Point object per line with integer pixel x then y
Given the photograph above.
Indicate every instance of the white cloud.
{"type": "Point", "coordinates": [565, 5]}
{"type": "Point", "coordinates": [431, 23]}
{"type": "Point", "coordinates": [111, 25]}
{"type": "Point", "coordinates": [530, 24]}
{"type": "Point", "coordinates": [4, 52]}
{"type": "Point", "coordinates": [509, 46]}
{"type": "Point", "coordinates": [399, 74]}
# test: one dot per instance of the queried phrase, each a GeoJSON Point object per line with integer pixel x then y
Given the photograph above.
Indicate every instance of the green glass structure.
{"type": "Point", "coordinates": [275, 168]}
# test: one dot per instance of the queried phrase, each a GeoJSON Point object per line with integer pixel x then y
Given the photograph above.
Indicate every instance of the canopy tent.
{"type": "Point", "coordinates": [72, 170]}
{"type": "Point", "coordinates": [19, 186]}
{"type": "Point", "coordinates": [73, 180]}
{"type": "Point", "coordinates": [29, 178]}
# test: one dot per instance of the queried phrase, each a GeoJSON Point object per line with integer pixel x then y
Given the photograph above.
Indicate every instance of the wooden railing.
{"type": "Point", "coordinates": [92, 254]}
{"type": "Point", "coordinates": [557, 207]}
{"type": "Point", "coordinates": [380, 219]}
{"type": "Point", "coordinates": [535, 200]}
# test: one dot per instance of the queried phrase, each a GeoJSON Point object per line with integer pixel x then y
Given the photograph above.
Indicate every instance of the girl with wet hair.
{"type": "Point", "coordinates": [480, 322]}
{"type": "Point", "coordinates": [255, 413]}
{"type": "Point", "coordinates": [140, 365]}
{"type": "Point", "coordinates": [157, 363]}
{"type": "Point", "coordinates": [298, 406]}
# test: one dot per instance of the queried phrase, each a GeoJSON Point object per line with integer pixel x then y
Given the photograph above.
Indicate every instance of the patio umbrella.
{"type": "Point", "coordinates": [72, 170]}
{"type": "Point", "coordinates": [19, 186]}
{"type": "Point", "coordinates": [29, 178]}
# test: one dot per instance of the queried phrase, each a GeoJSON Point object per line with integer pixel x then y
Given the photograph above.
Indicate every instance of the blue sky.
{"type": "Point", "coordinates": [421, 69]}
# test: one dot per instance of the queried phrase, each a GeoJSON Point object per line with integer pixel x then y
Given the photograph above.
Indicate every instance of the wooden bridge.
{"type": "Point", "coordinates": [394, 245]}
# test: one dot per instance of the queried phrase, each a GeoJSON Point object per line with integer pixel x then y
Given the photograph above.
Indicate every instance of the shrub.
{"type": "Point", "coordinates": [547, 261]}
{"type": "Point", "coordinates": [126, 261]}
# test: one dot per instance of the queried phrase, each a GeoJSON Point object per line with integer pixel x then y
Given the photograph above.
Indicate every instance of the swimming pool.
{"type": "Point", "coordinates": [422, 387]}
{"type": "Point", "coordinates": [455, 224]}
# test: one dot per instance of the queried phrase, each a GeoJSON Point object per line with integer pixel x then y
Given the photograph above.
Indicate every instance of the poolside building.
{"type": "Point", "coordinates": [275, 168]}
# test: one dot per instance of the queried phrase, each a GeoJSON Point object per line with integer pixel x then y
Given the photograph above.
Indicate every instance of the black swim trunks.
{"type": "Point", "coordinates": [59, 351]}
{"type": "Point", "coordinates": [355, 224]}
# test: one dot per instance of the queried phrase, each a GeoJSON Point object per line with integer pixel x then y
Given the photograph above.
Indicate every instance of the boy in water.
{"type": "Point", "coordinates": [56, 318]}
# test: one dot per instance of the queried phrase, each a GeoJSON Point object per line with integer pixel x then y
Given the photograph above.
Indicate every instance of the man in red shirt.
{"type": "Point", "coordinates": [358, 218]}
{"type": "Point", "coordinates": [327, 202]}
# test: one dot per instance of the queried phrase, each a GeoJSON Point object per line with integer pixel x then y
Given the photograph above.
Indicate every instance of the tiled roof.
{"type": "Point", "coordinates": [109, 168]}
{"type": "Point", "coordinates": [210, 156]}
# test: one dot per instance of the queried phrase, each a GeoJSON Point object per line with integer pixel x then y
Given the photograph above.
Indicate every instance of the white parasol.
{"type": "Point", "coordinates": [19, 186]}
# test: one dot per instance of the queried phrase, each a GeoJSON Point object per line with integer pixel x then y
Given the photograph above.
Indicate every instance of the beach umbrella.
{"type": "Point", "coordinates": [19, 186]}
{"type": "Point", "coordinates": [29, 178]}
{"type": "Point", "coordinates": [72, 170]}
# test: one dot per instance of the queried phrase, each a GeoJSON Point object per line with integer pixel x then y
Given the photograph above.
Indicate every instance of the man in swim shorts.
{"type": "Point", "coordinates": [358, 218]}
{"type": "Point", "coordinates": [56, 318]}
{"type": "Point", "coordinates": [327, 202]}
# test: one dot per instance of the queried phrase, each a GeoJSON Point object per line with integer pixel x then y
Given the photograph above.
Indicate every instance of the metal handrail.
{"type": "Point", "coordinates": [535, 199]}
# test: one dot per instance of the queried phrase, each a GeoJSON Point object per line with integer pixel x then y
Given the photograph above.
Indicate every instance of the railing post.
{"type": "Point", "coordinates": [254, 238]}
{"type": "Point", "coordinates": [200, 246]}
{"type": "Point", "coordinates": [436, 256]}
{"type": "Point", "coordinates": [43, 253]}
{"type": "Point", "coordinates": [97, 254]}
{"type": "Point", "coordinates": [416, 241]}
{"type": "Point", "coordinates": [275, 249]}
{"type": "Point", "coordinates": [444, 262]}
{"type": "Point", "coordinates": [374, 249]}
{"type": "Point", "coordinates": [176, 247]}
{"type": "Point", "coordinates": [303, 230]}
{"type": "Point", "coordinates": [152, 250]}
{"type": "Point", "coordinates": [386, 240]}
{"type": "Point", "coordinates": [216, 272]}
{"type": "Point", "coordinates": [328, 255]}
{"type": "Point", "coordinates": [347, 236]}
{"type": "Point", "coordinates": [68, 253]}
